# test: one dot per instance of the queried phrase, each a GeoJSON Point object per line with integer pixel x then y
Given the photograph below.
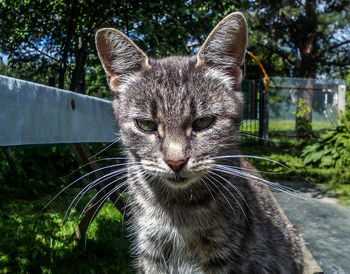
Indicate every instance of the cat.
{"type": "Point", "coordinates": [194, 207]}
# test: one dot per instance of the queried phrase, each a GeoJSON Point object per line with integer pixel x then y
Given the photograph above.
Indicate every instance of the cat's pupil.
{"type": "Point", "coordinates": [146, 125]}
{"type": "Point", "coordinates": [203, 123]}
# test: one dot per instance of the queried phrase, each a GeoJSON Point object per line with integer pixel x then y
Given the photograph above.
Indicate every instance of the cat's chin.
{"type": "Point", "coordinates": [179, 182]}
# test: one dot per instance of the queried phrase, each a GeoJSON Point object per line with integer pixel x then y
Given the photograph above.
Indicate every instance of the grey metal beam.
{"type": "Point", "coordinates": [36, 114]}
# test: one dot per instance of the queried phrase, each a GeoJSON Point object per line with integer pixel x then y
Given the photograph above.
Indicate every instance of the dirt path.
{"type": "Point", "coordinates": [324, 224]}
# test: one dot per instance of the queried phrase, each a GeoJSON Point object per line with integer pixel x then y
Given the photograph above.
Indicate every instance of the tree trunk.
{"type": "Point", "coordinates": [78, 77]}
{"type": "Point", "coordinates": [307, 46]}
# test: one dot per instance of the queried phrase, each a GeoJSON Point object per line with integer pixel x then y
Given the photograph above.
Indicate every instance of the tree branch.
{"type": "Point", "coordinates": [41, 52]}
{"type": "Point", "coordinates": [339, 45]}
{"type": "Point", "coordinates": [280, 53]}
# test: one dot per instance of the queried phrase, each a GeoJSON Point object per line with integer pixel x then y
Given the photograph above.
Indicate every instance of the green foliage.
{"type": "Point", "coordinates": [304, 125]}
{"type": "Point", "coordinates": [331, 150]}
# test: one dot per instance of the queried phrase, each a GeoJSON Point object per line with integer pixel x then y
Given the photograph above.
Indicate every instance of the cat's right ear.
{"type": "Point", "coordinates": [226, 45]}
{"type": "Point", "coordinates": [119, 55]}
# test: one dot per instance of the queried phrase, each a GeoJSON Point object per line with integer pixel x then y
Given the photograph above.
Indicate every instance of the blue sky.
{"type": "Point", "coordinates": [4, 58]}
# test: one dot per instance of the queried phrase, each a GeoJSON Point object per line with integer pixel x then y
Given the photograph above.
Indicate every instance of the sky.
{"type": "Point", "coordinates": [4, 58]}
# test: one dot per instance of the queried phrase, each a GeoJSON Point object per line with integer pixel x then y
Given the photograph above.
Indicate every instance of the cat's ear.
{"type": "Point", "coordinates": [118, 55]}
{"type": "Point", "coordinates": [226, 45]}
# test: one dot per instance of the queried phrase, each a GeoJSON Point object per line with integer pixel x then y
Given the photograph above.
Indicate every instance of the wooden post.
{"type": "Point", "coordinates": [83, 153]}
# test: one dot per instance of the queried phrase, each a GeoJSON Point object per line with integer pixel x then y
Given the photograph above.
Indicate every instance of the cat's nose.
{"type": "Point", "coordinates": [176, 165]}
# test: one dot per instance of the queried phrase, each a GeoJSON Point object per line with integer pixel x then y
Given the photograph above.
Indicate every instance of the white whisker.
{"type": "Point", "coordinates": [82, 177]}
{"type": "Point", "coordinates": [235, 188]}
{"type": "Point", "coordinates": [223, 195]}
{"type": "Point", "coordinates": [211, 194]}
{"type": "Point", "coordinates": [116, 140]}
{"type": "Point", "coordinates": [90, 186]}
{"type": "Point", "coordinates": [259, 180]}
{"type": "Point", "coordinates": [233, 196]}
{"type": "Point", "coordinates": [261, 158]}
{"type": "Point", "coordinates": [115, 189]}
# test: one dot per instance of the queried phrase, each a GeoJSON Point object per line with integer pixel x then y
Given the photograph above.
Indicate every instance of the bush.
{"type": "Point", "coordinates": [331, 150]}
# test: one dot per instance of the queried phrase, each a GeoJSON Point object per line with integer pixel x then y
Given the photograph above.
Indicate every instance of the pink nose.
{"type": "Point", "coordinates": [176, 165]}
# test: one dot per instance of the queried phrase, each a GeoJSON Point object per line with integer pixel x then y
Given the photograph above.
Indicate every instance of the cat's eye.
{"type": "Point", "coordinates": [146, 125]}
{"type": "Point", "coordinates": [203, 123]}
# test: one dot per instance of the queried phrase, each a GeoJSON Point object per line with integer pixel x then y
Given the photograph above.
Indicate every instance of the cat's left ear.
{"type": "Point", "coordinates": [226, 45]}
{"type": "Point", "coordinates": [119, 55]}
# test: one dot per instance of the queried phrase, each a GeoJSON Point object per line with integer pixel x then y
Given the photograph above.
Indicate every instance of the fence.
{"type": "Point", "coordinates": [274, 113]}
{"type": "Point", "coordinates": [35, 114]}
{"type": "Point", "coordinates": [326, 97]}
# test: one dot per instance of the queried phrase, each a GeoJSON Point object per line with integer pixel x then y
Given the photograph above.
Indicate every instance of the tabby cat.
{"type": "Point", "coordinates": [194, 205]}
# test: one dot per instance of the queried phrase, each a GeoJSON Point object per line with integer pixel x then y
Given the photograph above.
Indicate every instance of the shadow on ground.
{"type": "Point", "coordinates": [324, 224]}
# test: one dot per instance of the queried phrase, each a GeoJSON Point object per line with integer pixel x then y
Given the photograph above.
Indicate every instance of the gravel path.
{"type": "Point", "coordinates": [324, 224]}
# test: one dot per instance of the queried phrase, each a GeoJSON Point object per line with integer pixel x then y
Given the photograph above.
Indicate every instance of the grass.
{"type": "Point", "coordinates": [37, 242]}
{"type": "Point", "coordinates": [288, 127]}
{"type": "Point", "coordinates": [283, 128]}
{"type": "Point", "coordinates": [34, 240]}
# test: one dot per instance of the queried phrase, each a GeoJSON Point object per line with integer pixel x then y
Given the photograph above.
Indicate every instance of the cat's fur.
{"type": "Point", "coordinates": [200, 219]}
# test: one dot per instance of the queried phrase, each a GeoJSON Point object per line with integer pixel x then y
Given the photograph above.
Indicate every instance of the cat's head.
{"type": "Point", "coordinates": [176, 114]}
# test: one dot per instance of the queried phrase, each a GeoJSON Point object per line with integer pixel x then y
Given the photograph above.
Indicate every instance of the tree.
{"type": "Point", "coordinates": [61, 33]}
{"type": "Point", "coordinates": [309, 37]}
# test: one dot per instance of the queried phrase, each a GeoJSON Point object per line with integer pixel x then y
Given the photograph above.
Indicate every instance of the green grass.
{"type": "Point", "coordinates": [288, 152]}
{"type": "Point", "coordinates": [288, 127]}
{"type": "Point", "coordinates": [283, 128]}
{"type": "Point", "coordinates": [34, 240]}
{"type": "Point", "coordinates": [37, 242]}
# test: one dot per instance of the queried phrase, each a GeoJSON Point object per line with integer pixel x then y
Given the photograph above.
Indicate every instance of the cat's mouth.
{"type": "Point", "coordinates": [179, 181]}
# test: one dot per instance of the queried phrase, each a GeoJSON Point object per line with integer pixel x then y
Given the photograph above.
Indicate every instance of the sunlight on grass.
{"type": "Point", "coordinates": [34, 241]}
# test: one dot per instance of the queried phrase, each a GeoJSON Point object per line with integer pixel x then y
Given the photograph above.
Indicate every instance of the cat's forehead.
{"type": "Point", "coordinates": [176, 87]}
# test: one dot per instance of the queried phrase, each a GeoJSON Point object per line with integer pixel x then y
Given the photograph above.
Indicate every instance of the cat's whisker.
{"type": "Point", "coordinates": [99, 181]}
{"type": "Point", "coordinates": [115, 189]}
{"type": "Point", "coordinates": [94, 162]}
{"type": "Point", "coordinates": [246, 175]}
{"type": "Point", "coordinates": [261, 158]}
{"type": "Point", "coordinates": [254, 170]}
{"type": "Point", "coordinates": [235, 188]}
{"type": "Point", "coordinates": [232, 168]}
{"type": "Point", "coordinates": [81, 193]}
{"type": "Point", "coordinates": [116, 140]}
{"type": "Point", "coordinates": [93, 184]}
{"type": "Point", "coordinates": [102, 203]}
{"type": "Point", "coordinates": [102, 189]}
{"type": "Point", "coordinates": [256, 179]}
{"type": "Point", "coordinates": [82, 177]}
{"type": "Point", "coordinates": [223, 195]}
{"type": "Point", "coordinates": [211, 194]}
{"type": "Point", "coordinates": [232, 195]}
{"type": "Point", "coordinates": [254, 136]}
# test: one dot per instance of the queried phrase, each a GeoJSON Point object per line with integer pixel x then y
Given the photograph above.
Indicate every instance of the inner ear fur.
{"type": "Point", "coordinates": [226, 44]}
{"type": "Point", "coordinates": [118, 55]}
